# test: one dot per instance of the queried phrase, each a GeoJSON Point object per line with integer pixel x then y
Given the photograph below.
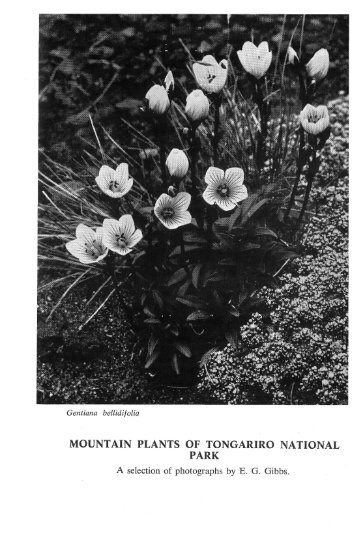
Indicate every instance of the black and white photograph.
{"type": "Point", "coordinates": [193, 209]}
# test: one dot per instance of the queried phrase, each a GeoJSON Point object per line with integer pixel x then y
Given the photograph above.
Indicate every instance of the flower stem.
{"type": "Point", "coordinates": [194, 158]}
{"type": "Point", "coordinates": [262, 106]}
{"type": "Point", "coordinates": [111, 271]}
{"type": "Point", "coordinates": [300, 165]}
{"type": "Point", "coordinates": [312, 170]}
{"type": "Point", "coordinates": [217, 104]}
{"type": "Point", "coordinates": [161, 127]}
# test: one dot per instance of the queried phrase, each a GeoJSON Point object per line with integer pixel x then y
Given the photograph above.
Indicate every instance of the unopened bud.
{"type": "Point", "coordinates": [177, 163]}
{"type": "Point", "coordinates": [317, 67]}
{"type": "Point", "coordinates": [158, 100]}
{"type": "Point", "coordinates": [197, 105]}
{"type": "Point", "coordinates": [292, 57]}
{"type": "Point", "coordinates": [169, 82]}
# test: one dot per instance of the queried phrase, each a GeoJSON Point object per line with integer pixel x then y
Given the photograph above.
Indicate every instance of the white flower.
{"type": "Point", "coordinates": [210, 75]}
{"type": "Point", "coordinates": [317, 67]}
{"type": "Point", "coordinates": [114, 183]}
{"type": "Point", "coordinates": [224, 189]}
{"type": "Point", "coordinates": [169, 81]}
{"type": "Point", "coordinates": [121, 235]}
{"type": "Point", "coordinates": [314, 120]}
{"type": "Point", "coordinates": [177, 163]}
{"type": "Point", "coordinates": [158, 100]}
{"type": "Point", "coordinates": [291, 55]}
{"type": "Point", "coordinates": [88, 247]}
{"type": "Point", "coordinates": [173, 211]}
{"type": "Point", "coordinates": [255, 59]}
{"type": "Point", "coordinates": [197, 105]}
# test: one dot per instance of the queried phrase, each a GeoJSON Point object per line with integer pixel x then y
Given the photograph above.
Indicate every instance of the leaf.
{"type": "Point", "coordinates": [175, 364]}
{"type": "Point", "coordinates": [183, 288]}
{"type": "Point", "coordinates": [206, 356]}
{"type": "Point", "coordinates": [152, 358]}
{"type": "Point", "coordinates": [130, 105]}
{"type": "Point", "coordinates": [195, 275]}
{"type": "Point", "coordinates": [152, 321]}
{"type": "Point", "coordinates": [198, 315]}
{"type": "Point", "coordinates": [246, 205]}
{"type": "Point", "coordinates": [158, 298]}
{"type": "Point", "coordinates": [249, 247]}
{"type": "Point", "coordinates": [187, 248]}
{"type": "Point", "coordinates": [193, 237]}
{"type": "Point", "coordinates": [152, 343]}
{"type": "Point", "coordinates": [191, 300]}
{"type": "Point", "coordinates": [256, 207]}
{"type": "Point", "coordinates": [234, 216]}
{"type": "Point", "coordinates": [183, 348]}
{"type": "Point", "coordinates": [178, 276]}
{"type": "Point", "coordinates": [234, 312]}
{"type": "Point", "coordinates": [259, 231]}
{"type": "Point", "coordinates": [148, 312]}
{"type": "Point", "coordinates": [232, 337]}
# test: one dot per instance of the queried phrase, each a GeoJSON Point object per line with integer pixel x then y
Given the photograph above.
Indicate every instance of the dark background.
{"type": "Point", "coordinates": [104, 64]}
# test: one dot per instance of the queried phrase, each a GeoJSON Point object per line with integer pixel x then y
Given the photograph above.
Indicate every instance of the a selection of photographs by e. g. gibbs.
{"type": "Point", "coordinates": [193, 209]}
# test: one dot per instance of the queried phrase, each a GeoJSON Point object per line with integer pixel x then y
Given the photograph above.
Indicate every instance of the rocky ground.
{"type": "Point", "coordinates": [301, 357]}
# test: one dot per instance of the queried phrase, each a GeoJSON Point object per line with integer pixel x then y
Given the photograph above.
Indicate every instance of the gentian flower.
{"type": "Point", "coordinates": [255, 59]}
{"type": "Point", "coordinates": [177, 163]}
{"type": "Point", "coordinates": [88, 246]}
{"type": "Point", "coordinates": [158, 100]}
{"type": "Point", "coordinates": [114, 183]}
{"type": "Point", "coordinates": [197, 105]}
{"type": "Point", "coordinates": [172, 212]}
{"type": "Point", "coordinates": [317, 67]}
{"type": "Point", "coordinates": [314, 120]}
{"type": "Point", "coordinates": [225, 189]}
{"type": "Point", "coordinates": [210, 75]}
{"type": "Point", "coordinates": [121, 235]}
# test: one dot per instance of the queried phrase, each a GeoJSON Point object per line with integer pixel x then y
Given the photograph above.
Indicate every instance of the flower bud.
{"type": "Point", "coordinates": [292, 57]}
{"type": "Point", "coordinates": [158, 100]}
{"type": "Point", "coordinates": [197, 106]}
{"type": "Point", "coordinates": [177, 163]}
{"type": "Point", "coordinates": [169, 82]}
{"type": "Point", "coordinates": [317, 67]}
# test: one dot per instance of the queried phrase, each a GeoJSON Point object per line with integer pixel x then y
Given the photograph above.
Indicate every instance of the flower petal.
{"type": "Point", "coordinates": [181, 201]}
{"type": "Point", "coordinates": [162, 202]}
{"type": "Point", "coordinates": [225, 203]}
{"type": "Point", "coordinates": [177, 220]}
{"type": "Point", "coordinates": [239, 194]}
{"type": "Point", "coordinates": [126, 225]}
{"type": "Point", "coordinates": [263, 48]}
{"type": "Point", "coordinates": [121, 250]}
{"type": "Point", "coordinates": [110, 230]}
{"type": "Point", "coordinates": [136, 237]}
{"type": "Point", "coordinates": [234, 177]}
{"type": "Point", "coordinates": [78, 249]}
{"type": "Point", "coordinates": [214, 176]}
{"type": "Point", "coordinates": [266, 62]}
{"type": "Point", "coordinates": [122, 173]}
{"type": "Point", "coordinates": [85, 233]}
{"type": "Point", "coordinates": [209, 195]}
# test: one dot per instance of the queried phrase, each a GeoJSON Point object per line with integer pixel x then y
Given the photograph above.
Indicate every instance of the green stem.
{"type": "Point", "coordinates": [194, 158]}
{"type": "Point", "coordinates": [263, 123]}
{"type": "Point", "coordinates": [300, 165]}
{"type": "Point", "coordinates": [217, 104]}
{"type": "Point", "coordinates": [311, 175]}
{"type": "Point", "coordinates": [111, 271]}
